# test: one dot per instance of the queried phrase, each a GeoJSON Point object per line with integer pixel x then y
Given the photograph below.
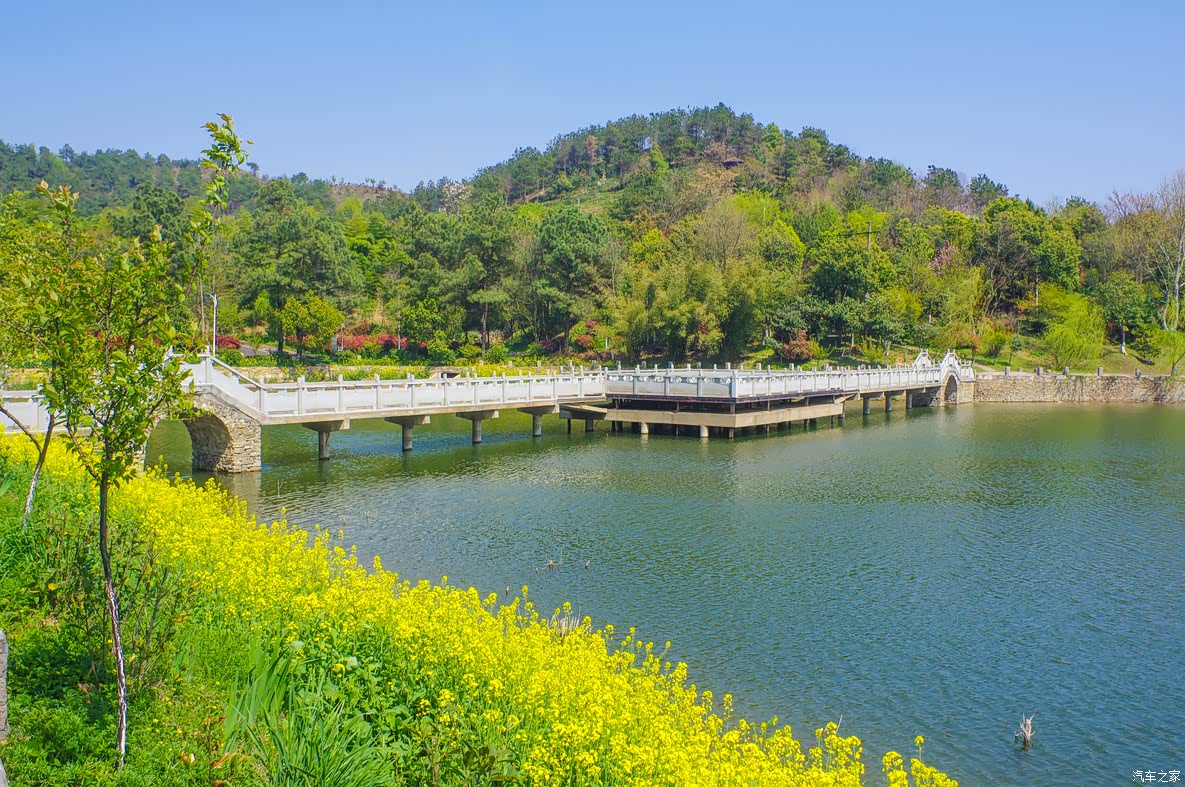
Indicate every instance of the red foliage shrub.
{"type": "Point", "coordinates": [386, 342]}
{"type": "Point", "coordinates": [798, 349]}
{"type": "Point", "coordinates": [228, 343]}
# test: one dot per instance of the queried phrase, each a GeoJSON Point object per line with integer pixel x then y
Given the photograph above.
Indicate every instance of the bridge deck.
{"type": "Point", "coordinates": [713, 385]}
{"type": "Point", "coordinates": [303, 402]}
{"type": "Point", "coordinates": [237, 406]}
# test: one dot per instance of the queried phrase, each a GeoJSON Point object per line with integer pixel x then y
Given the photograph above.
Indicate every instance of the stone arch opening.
{"type": "Point", "coordinates": [210, 440]}
{"type": "Point", "coordinates": [224, 439]}
{"type": "Point", "coordinates": [950, 391]}
{"type": "Point", "coordinates": [168, 442]}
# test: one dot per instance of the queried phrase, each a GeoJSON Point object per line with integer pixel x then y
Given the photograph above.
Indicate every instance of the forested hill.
{"type": "Point", "coordinates": [597, 158]}
{"type": "Point", "coordinates": [694, 233]}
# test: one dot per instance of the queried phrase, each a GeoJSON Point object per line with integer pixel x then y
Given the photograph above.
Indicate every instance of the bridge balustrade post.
{"type": "Point", "coordinates": [530, 389]}
{"type": "Point", "coordinates": [341, 393]}
{"type": "Point", "coordinates": [378, 396]}
{"type": "Point", "coordinates": [555, 388]}
{"type": "Point", "coordinates": [262, 403]}
{"type": "Point", "coordinates": [444, 391]}
{"type": "Point", "coordinates": [300, 394]}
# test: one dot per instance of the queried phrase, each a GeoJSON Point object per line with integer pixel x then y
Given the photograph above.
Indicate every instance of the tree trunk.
{"type": "Point", "coordinates": [42, 451]}
{"type": "Point", "coordinates": [3, 694]}
{"type": "Point", "coordinates": [121, 677]}
{"type": "Point", "coordinates": [1123, 338]}
{"type": "Point", "coordinates": [485, 334]}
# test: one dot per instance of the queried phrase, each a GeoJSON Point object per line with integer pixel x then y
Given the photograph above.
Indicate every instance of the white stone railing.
{"type": "Point", "coordinates": [26, 406]}
{"type": "Point", "coordinates": [352, 398]}
{"type": "Point", "coordinates": [740, 383]}
{"type": "Point", "coordinates": [303, 400]}
{"type": "Point", "coordinates": [749, 384]}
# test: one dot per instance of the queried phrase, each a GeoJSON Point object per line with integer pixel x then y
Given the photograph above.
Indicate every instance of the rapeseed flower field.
{"type": "Point", "coordinates": [423, 683]}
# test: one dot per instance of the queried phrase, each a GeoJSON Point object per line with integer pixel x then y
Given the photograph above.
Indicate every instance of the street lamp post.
{"type": "Point", "coordinates": [214, 332]}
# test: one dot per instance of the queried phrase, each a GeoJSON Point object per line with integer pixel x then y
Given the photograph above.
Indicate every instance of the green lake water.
{"type": "Point", "coordinates": [936, 572]}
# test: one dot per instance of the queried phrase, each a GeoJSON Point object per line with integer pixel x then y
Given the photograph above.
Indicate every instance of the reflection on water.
{"type": "Point", "coordinates": [934, 573]}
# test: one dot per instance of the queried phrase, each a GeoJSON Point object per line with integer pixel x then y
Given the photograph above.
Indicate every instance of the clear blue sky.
{"type": "Point", "coordinates": [1081, 99]}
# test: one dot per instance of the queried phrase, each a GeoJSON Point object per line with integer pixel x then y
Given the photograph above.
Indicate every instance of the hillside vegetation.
{"type": "Point", "coordinates": [689, 235]}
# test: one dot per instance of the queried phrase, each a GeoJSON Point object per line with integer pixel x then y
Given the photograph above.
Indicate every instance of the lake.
{"type": "Point", "coordinates": [936, 572]}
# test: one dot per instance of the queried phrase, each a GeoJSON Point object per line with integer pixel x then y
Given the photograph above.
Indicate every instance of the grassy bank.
{"type": "Point", "coordinates": [262, 654]}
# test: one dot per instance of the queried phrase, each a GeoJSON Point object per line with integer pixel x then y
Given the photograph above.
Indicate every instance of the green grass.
{"type": "Point", "coordinates": [1032, 355]}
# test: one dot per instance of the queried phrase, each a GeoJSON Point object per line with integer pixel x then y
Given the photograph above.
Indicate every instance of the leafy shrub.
{"type": "Point", "coordinates": [470, 351]}
{"type": "Point", "coordinates": [497, 354]}
{"type": "Point", "coordinates": [819, 352]}
{"type": "Point", "coordinates": [439, 352]}
{"type": "Point", "coordinates": [798, 349]}
{"type": "Point", "coordinates": [873, 351]}
{"type": "Point", "coordinates": [995, 339]}
{"type": "Point", "coordinates": [230, 357]}
{"type": "Point", "coordinates": [958, 337]}
{"type": "Point", "coordinates": [374, 344]}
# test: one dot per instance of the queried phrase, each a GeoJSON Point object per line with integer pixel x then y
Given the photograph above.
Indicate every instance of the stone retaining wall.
{"type": "Point", "coordinates": [1078, 388]}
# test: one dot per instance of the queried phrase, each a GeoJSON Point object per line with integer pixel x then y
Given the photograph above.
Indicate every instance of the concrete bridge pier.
{"type": "Point", "coordinates": [867, 403]}
{"type": "Point", "coordinates": [703, 432]}
{"type": "Point", "coordinates": [643, 429]}
{"type": "Point", "coordinates": [476, 419]}
{"type": "Point", "coordinates": [537, 414]}
{"type": "Point", "coordinates": [888, 402]}
{"type": "Point", "coordinates": [323, 430]}
{"type": "Point", "coordinates": [407, 424]}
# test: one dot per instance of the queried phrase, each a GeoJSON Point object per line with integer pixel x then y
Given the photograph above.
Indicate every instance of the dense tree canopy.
{"type": "Point", "coordinates": [694, 233]}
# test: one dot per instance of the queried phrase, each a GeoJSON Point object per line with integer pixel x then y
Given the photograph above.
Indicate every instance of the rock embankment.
{"type": "Point", "coordinates": [1030, 387]}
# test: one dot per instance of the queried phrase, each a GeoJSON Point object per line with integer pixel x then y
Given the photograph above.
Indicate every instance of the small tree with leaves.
{"type": "Point", "coordinates": [1170, 346]}
{"type": "Point", "coordinates": [27, 265]}
{"type": "Point", "coordinates": [111, 371]}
